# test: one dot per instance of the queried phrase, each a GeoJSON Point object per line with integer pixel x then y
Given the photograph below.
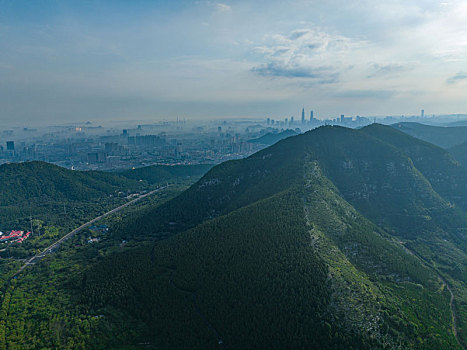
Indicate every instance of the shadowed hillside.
{"type": "Point", "coordinates": [442, 136]}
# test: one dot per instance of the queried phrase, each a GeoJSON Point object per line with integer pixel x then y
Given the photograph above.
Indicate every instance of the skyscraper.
{"type": "Point", "coordinates": [303, 115]}
{"type": "Point", "coordinates": [422, 114]}
{"type": "Point", "coordinates": [311, 115]}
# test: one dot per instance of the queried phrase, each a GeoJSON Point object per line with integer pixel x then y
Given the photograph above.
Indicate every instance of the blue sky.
{"type": "Point", "coordinates": [64, 61]}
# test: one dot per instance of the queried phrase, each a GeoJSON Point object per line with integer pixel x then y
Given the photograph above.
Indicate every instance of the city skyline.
{"type": "Point", "coordinates": [67, 61]}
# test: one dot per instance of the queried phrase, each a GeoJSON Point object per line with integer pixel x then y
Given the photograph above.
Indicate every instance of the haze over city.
{"type": "Point", "coordinates": [233, 174]}
{"type": "Point", "coordinates": [146, 60]}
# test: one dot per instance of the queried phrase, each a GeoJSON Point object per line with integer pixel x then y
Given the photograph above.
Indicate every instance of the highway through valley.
{"type": "Point", "coordinates": [54, 246]}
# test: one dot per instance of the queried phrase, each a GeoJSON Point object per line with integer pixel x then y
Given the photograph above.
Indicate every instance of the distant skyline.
{"type": "Point", "coordinates": [66, 61]}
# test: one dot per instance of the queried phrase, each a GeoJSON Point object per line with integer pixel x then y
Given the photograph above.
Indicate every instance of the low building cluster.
{"type": "Point", "coordinates": [14, 236]}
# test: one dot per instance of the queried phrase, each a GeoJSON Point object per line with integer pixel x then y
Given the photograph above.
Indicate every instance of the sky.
{"type": "Point", "coordinates": [64, 61]}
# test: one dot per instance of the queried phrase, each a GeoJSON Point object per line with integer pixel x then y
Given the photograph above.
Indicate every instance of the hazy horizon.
{"type": "Point", "coordinates": [114, 60]}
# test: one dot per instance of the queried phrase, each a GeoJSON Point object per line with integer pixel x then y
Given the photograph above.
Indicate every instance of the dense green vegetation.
{"type": "Point", "coordinates": [459, 152]}
{"type": "Point", "coordinates": [443, 136]}
{"type": "Point", "coordinates": [52, 201]}
{"type": "Point", "coordinates": [333, 239]}
{"type": "Point", "coordinates": [58, 200]}
{"type": "Point", "coordinates": [36, 181]}
{"type": "Point", "coordinates": [42, 309]}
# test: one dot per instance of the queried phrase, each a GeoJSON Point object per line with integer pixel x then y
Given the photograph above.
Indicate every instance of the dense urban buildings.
{"type": "Point", "coordinates": [86, 146]}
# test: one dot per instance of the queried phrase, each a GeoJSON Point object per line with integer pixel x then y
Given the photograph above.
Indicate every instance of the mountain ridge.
{"type": "Point", "coordinates": [332, 239]}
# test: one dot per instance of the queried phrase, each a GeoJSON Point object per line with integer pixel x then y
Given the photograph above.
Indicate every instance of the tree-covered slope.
{"type": "Point", "coordinates": [333, 239]}
{"type": "Point", "coordinates": [337, 198]}
{"type": "Point", "coordinates": [267, 275]}
{"type": "Point", "coordinates": [226, 187]}
{"type": "Point", "coordinates": [20, 182]}
{"type": "Point", "coordinates": [459, 152]}
{"type": "Point", "coordinates": [436, 164]}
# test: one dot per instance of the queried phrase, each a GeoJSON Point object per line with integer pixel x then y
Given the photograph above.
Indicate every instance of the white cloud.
{"type": "Point", "coordinates": [307, 53]}
{"type": "Point", "coordinates": [223, 7]}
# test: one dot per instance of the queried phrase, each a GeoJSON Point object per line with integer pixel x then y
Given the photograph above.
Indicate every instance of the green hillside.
{"type": "Point", "coordinates": [459, 152]}
{"type": "Point", "coordinates": [20, 182]}
{"type": "Point", "coordinates": [442, 136]}
{"type": "Point", "coordinates": [437, 165]}
{"type": "Point", "coordinates": [59, 199]}
{"type": "Point", "coordinates": [56, 197]}
{"type": "Point", "coordinates": [372, 272]}
{"type": "Point", "coordinates": [333, 239]}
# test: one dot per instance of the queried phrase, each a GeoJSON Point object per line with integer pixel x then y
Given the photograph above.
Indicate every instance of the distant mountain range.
{"type": "Point", "coordinates": [332, 239]}
{"type": "Point", "coordinates": [462, 122]}
{"type": "Point", "coordinates": [271, 138]}
{"type": "Point", "coordinates": [443, 136]}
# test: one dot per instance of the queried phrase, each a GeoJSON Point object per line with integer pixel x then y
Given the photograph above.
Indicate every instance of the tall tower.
{"type": "Point", "coordinates": [311, 115]}
{"type": "Point", "coordinates": [303, 115]}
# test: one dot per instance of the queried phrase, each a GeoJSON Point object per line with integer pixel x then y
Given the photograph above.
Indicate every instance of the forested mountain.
{"type": "Point", "coordinates": [20, 182]}
{"type": "Point", "coordinates": [442, 136]}
{"type": "Point", "coordinates": [332, 239]}
{"type": "Point", "coordinates": [270, 138]}
{"type": "Point", "coordinates": [459, 152]}
{"type": "Point", "coordinates": [61, 197]}
{"type": "Point", "coordinates": [318, 241]}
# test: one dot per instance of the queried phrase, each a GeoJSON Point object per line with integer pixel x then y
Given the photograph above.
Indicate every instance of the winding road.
{"type": "Point", "coordinates": [54, 246]}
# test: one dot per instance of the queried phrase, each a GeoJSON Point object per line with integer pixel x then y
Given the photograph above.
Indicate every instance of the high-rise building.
{"type": "Point", "coordinates": [311, 115]}
{"type": "Point", "coordinates": [10, 145]}
{"type": "Point", "coordinates": [291, 120]}
{"type": "Point", "coordinates": [422, 113]}
{"type": "Point", "coordinates": [303, 115]}
{"type": "Point", "coordinates": [268, 121]}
